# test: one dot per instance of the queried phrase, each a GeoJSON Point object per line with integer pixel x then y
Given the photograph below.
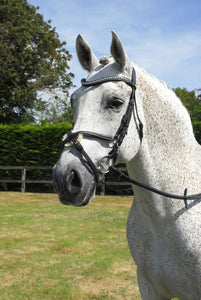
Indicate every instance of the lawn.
{"type": "Point", "coordinates": [50, 251]}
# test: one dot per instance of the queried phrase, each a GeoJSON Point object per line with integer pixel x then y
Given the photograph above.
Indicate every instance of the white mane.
{"type": "Point", "coordinates": [158, 93]}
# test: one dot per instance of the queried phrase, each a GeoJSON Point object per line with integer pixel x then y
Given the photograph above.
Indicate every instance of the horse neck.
{"type": "Point", "coordinates": [168, 140]}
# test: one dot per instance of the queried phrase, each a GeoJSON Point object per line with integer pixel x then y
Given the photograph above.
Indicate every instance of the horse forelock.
{"type": "Point", "coordinates": [108, 67]}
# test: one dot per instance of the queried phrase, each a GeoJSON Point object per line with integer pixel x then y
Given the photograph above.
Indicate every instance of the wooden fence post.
{"type": "Point", "coordinates": [23, 187]}
{"type": "Point", "coordinates": [102, 187]}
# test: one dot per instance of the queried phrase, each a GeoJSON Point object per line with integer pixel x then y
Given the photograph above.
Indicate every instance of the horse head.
{"type": "Point", "coordinates": [107, 125]}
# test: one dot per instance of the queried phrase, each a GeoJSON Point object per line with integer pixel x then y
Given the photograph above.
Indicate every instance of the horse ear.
{"type": "Point", "coordinates": [87, 58]}
{"type": "Point", "coordinates": [118, 52]}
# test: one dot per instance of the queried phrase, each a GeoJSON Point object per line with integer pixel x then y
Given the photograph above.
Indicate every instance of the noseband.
{"type": "Point", "coordinates": [117, 139]}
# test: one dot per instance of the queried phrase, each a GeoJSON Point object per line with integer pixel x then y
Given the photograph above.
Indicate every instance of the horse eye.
{"type": "Point", "coordinates": [115, 103]}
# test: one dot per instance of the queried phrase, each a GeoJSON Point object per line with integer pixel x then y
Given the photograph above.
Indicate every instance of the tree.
{"type": "Point", "coordinates": [55, 109]}
{"type": "Point", "coordinates": [198, 94]}
{"type": "Point", "coordinates": [32, 58]}
{"type": "Point", "coordinates": [192, 101]}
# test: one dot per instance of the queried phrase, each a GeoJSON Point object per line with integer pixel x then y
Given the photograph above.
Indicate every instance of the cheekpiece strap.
{"type": "Point", "coordinates": [122, 131]}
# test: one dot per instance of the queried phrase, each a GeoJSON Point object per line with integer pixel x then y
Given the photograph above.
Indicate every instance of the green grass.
{"type": "Point", "coordinates": [51, 251]}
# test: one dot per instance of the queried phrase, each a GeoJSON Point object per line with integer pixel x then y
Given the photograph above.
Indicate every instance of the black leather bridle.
{"type": "Point", "coordinates": [72, 139]}
{"type": "Point", "coordinates": [117, 139]}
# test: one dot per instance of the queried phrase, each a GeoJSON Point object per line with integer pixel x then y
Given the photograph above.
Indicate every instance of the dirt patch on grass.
{"type": "Point", "coordinates": [111, 286]}
{"type": "Point", "coordinates": [121, 284]}
{"type": "Point", "coordinates": [123, 268]}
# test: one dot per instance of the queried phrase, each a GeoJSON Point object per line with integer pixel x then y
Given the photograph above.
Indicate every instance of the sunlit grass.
{"type": "Point", "coordinates": [51, 251]}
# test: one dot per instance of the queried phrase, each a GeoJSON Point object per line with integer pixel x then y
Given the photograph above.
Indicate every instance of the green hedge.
{"type": "Point", "coordinates": [30, 145]}
{"type": "Point", "coordinates": [37, 145]}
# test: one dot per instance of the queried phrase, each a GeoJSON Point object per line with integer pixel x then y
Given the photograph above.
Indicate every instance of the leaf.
{"type": "Point", "coordinates": [32, 58]}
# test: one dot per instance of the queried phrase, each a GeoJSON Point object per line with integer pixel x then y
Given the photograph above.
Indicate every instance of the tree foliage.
{"type": "Point", "coordinates": [32, 58]}
{"type": "Point", "coordinates": [192, 101]}
{"type": "Point", "coordinates": [55, 109]}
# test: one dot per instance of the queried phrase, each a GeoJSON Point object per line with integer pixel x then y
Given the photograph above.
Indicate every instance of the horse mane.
{"type": "Point", "coordinates": [151, 85]}
{"type": "Point", "coordinates": [164, 98]}
{"type": "Point", "coordinates": [146, 79]}
{"type": "Point", "coordinates": [159, 82]}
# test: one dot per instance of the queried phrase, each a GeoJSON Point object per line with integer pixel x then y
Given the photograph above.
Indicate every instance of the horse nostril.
{"type": "Point", "coordinates": [74, 183]}
{"type": "Point", "coordinates": [75, 180]}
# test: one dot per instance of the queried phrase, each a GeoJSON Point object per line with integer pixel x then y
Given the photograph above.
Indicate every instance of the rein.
{"type": "Point", "coordinates": [72, 139]}
{"type": "Point", "coordinates": [185, 197]}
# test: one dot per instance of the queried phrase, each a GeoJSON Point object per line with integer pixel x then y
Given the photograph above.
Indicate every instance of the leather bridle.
{"type": "Point", "coordinates": [72, 137]}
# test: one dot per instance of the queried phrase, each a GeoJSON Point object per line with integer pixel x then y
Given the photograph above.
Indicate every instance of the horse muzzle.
{"type": "Point", "coordinates": [73, 180]}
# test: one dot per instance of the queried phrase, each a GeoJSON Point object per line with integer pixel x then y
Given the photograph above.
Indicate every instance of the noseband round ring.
{"type": "Point", "coordinates": [72, 139]}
